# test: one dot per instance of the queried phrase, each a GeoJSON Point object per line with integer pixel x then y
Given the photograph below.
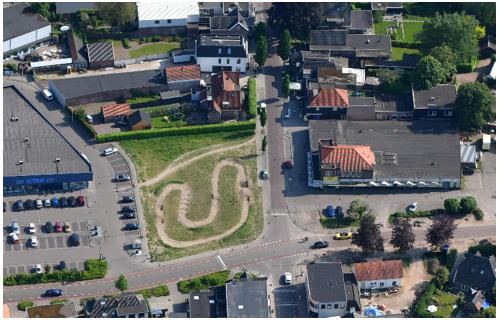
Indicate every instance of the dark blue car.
{"type": "Point", "coordinates": [54, 292]}
{"type": "Point", "coordinates": [329, 211]}
{"type": "Point", "coordinates": [54, 202]}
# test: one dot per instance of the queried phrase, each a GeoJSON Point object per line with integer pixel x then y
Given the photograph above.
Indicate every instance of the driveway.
{"type": "Point", "coordinates": [482, 68]}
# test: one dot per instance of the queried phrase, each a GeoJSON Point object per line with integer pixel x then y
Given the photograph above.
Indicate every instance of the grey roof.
{"type": "Point", "coordinates": [468, 153]}
{"type": "Point", "coordinates": [409, 61]}
{"type": "Point", "coordinates": [361, 19]}
{"type": "Point", "coordinates": [422, 149]}
{"type": "Point", "coordinates": [83, 86]}
{"type": "Point", "coordinates": [231, 46]}
{"type": "Point", "coordinates": [100, 51]}
{"type": "Point", "coordinates": [476, 272]}
{"type": "Point", "coordinates": [125, 304]}
{"type": "Point", "coordinates": [202, 304]}
{"type": "Point", "coordinates": [76, 47]}
{"type": "Point", "coordinates": [338, 12]}
{"type": "Point", "coordinates": [386, 5]}
{"type": "Point", "coordinates": [247, 298]}
{"type": "Point", "coordinates": [352, 290]}
{"type": "Point", "coordinates": [45, 143]}
{"type": "Point", "coordinates": [72, 7]}
{"type": "Point", "coordinates": [326, 282]}
{"type": "Point", "coordinates": [326, 39]}
{"type": "Point", "coordinates": [442, 96]}
{"type": "Point", "coordinates": [18, 20]}
{"type": "Point", "coordinates": [228, 21]}
{"type": "Point", "coordinates": [364, 45]}
{"type": "Point", "coordinates": [138, 116]}
{"type": "Point", "coordinates": [361, 101]}
{"type": "Point", "coordinates": [394, 103]}
{"type": "Point", "coordinates": [369, 42]}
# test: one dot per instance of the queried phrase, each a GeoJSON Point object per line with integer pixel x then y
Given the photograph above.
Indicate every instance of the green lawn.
{"type": "Point", "coordinates": [154, 48]}
{"type": "Point", "coordinates": [159, 122]}
{"type": "Point", "coordinates": [203, 282]}
{"type": "Point", "coordinates": [410, 29]}
{"type": "Point", "coordinates": [444, 301]}
{"type": "Point", "coordinates": [398, 53]}
{"type": "Point", "coordinates": [143, 99]}
{"type": "Point", "coordinates": [333, 223]}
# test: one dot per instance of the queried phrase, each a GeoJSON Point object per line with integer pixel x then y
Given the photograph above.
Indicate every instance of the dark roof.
{"type": "Point", "coordinates": [202, 304]}
{"type": "Point", "coordinates": [125, 304]}
{"type": "Point", "coordinates": [325, 281]}
{"type": "Point", "coordinates": [228, 21]}
{"type": "Point", "coordinates": [421, 148]}
{"type": "Point", "coordinates": [76, 47]}
{"type": "Point", "coordinates": [364, 45]}
{"type": "Point", "coordinates": [386, 5]}
{"type": "Point", "coordinates": [476, 272]}
{"type": "Point", "coordinates": [100, 51]}
{"type": "Point", "coordinates": [352, 290]}
{"type": "Point", "coordinates": [441, 96]}
{"type": "Point", "coordinates": [72, 7]}
{"type": "Point", "coordinates": [326, 39]}
{"type": "Point", "coordinates": [361, 101]}
{"type": "Point", "coordinates": [394, 103]}
{"type": "Point", "coordinates": [83, 86]}
{"type": "Point", "coordinates": [45, 142]}
{"type": "Point", "coordinates": [59, 310]}
{"type": "Point", "coordinates": [247, 298]}
{"type": "Point", "coordinates": [361, 19]}
{"type": "Point", "coordinates": [18, 20]}
{"type": "Point", "coordinates": [138, 116]}
{"type": "Point", "coordinates": [224, 46]}
{"type": "Point", "coordinates": [367, 43]}
{"type": "Point", "coordinates": [409, 61]}
{"type": "Point", "coordinates": [338, 12]}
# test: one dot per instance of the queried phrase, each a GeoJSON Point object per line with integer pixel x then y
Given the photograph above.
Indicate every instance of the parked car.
{"type": "Point", "coordinates": [34, 242]}
{"type": "Point", "coordinates": [39, 203]}
{"type": "Point", "coordinates": [128, 215]}
{"type": "Point", "coordinates": [4, 206]}
{"type": "Point", "coordinates": [131, 226]}
{"type": "Point", "coordinates": [29, 204]}
{"type": "Point", "coordinates": [66, 227]}
{"type": "Point", "coordinates": [412, 207]}
{"type": "Point", "coordinates": [75, 239]}
{"type": "Point", "coordinates": [31, 228]}
{"type": "Point", "coordinates": [122, 178]}
{"type": "Point", "coordinates": [58, 226]}
{"type": "Point", "coordinates": [288, 278]}
{"type": "Point", "coordinates": [343, 236]}
{"type": "Point", "coordinates": [287, 164]}
{"type": "Point", "coordinates": [18, 206]}
{"type": "Point", "coordinates": [49, 227]}
{"type": "Point", "coordinates": [127, 209]}
{"type": "Point", "coordinates": [14, 237]}
{"type": "Point", "coordinates": [54, 293]}
{"type": "Point", "coordinates": [109, 151]}
{"type": "Point", "coordinates": [71, 201]}
{"type": "Point", "coordinates": [264, 175]}
{"type": "Point", "coordinates": [63, 202]}
{"type": "Point", "coordinates": [14, 227]}
{"type": "Point", "coordinates": [47, 94]}
{"type": "Point", "coordinates": [55, 202]}
{"type": "Point", "coordinates": [38, 269]}
{"type": "Point", "coordinates": [80, 201]}
{"type": "Point", "coordinates": [128, 199]}
{"type": "Point", "coordinates": [329, 211]}
{"type": "Point", "coordinates": [89, 118]}
{"type": "Point", "coordinates": [46, 203]}
{"type": "Point", "coordinates": [320, 244]}
{"type": "Point", "coordinates": [468, 171]}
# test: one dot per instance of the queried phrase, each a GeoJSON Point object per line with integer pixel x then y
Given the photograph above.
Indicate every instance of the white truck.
{"type": "Point", "coordinates": [486, 140]}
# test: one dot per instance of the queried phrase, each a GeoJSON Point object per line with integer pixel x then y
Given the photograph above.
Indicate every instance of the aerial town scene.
{"type": "Point", "coordinates": [249, 159]}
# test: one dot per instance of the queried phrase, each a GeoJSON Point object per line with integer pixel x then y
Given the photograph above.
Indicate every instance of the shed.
{"type": "Point", "coordinates": [51, 63]}
{"type": "Point", "coordinates": [139, 120]}
{"type": "Point", "coordinates": [100, 54]}
{"type": "Point", "coordinates": [468, 154]}
{"type": "Point", "coordinates": [115, 112]}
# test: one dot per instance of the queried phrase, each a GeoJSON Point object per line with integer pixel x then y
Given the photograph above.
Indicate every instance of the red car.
{"type": "Point", "coordinates": [80, 201]}
{"type": "Point", "coordinates": [58, 226]}
{"type": "Point", "coordinates": [287, 164]}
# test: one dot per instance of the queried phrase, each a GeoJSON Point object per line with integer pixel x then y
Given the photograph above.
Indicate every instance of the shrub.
{"type": "Point", "coordinates": [148, 39]}
{"type": "Point", "coordinates": [406, 44]}
{"type": "Point", "coordinates": [203, 282]}
{"type": "Point", "coordinates": [452, 206]}
{"type": "Point", "coordinates": [156, 38]}
{"type": "Point", "coordinates": [182, 131]}
{"type": "Point", "coordinates": [122, 283]}
{"type": "Point", "coordinates": [423, 301]}
{"type": "Point", "coordinates": [450, 259]}
{"type": "Point", "coordinates": [23, 305]}
{"type": "Point", "coordinates": [59, 301]}
{"type": "Point", "coordinates": [126, 43]}
{"type": "Point", "coordinates": [441, 277]}
{"type": "Point", "coordinates": [264, 143]}
{"type": "Point", "coordinates": [486, 249]}
{"type": "Point", "coordinates": [9, 67]}
{"type": "Point", "coordinates": [263, 119]}
{"type": "Point", "coordinates": [252, 97]}
{"type": "Point", "coordinates": [417, 214]}
{"type": "Point", "coordinates": [159, 291]}
{"type": "Point", "coordinates": [468, 205]}
{"type": "Point", "coordinates": [432, 266]}
{"type": "Point", "coordinates": [478, 214]}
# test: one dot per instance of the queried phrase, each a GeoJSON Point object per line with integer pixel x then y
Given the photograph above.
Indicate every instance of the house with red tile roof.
{"type": "Point", "coordinates": [223, 96]}
{"type": "Point", "coordinates": [335, 103]}
{"type": "Point", "coordinates": [115, 112]}
{"type": "Point", "coordinates": [379, 274]}
{"type": "Point", "coordinates": [183, 78]}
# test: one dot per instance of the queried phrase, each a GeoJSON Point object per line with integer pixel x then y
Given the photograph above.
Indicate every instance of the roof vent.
{"type": "Point", "coordinates": [103, 302]}
{"type": "Point", "coordinates": [212, 301]}
{"type": "Point", "coordinates": [433, 164]}
{"type": "Point", "coordinates": [240, 307]}
{"type": "Point", "coordinates": [26, 139]}
{"type": "Point", "coordinates": [14, 119]}
{"type": "Point", "coordinates": [481, 272]}
{"type": "Point", "coordinates": [196, 297]}
{"type": "Point", "coordinates": [368, 41]}
{"type": "Point", "coordinates": [20, 162]}
{"type": "Point", "coordinates": [57, 159]}
{"type": "Point", "coordinates": [432, 98]}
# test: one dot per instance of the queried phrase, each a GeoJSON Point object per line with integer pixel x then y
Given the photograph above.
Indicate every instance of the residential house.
{"type": "Point", "coordinates": [474, 301]}
{"type": "Point", "coordinates": [232, 23]}
{"type": "Point", "coordinates": [115, 112]}
{"type": "Point", "coordinates": [139, 120]}
{"type": "Point", "coordinates": [59, 310]}
{"type": "Point", "coordinates": [247, 298]}
{"type": "Point", "coordinates": [304, 64]}
{"type": "Point", "coordinates": [437, 103]}
{"type": "Point", "coordinates": [100, 54]}
{"type": "Point", "coordinates": [361, 109]}
{"type": "Point", "coordinates": [330, 293]}
{"type": "Point", "coordinates": [390, 8]}
{"type": "Point", "coordinates": [379, 274]}
{"type": "Point", "coordinates": [125, 305]}
{"type": "Point", "coordinates": [394, 107]}
{"type": "Point", "coordinates": [475, 272]}
{"type": "Point", "coordinates": [223, 97]}
{"type": "Point", "coordinates": [361, 21]}
{"type": "Point", "coordinates": [167, 17]}
{"type": "Point", "coordinates": [77, 51]}
{"type": "Point", "coordinates": [221, 53]}
{"type": "Point", "coordinates": [183, 78]}
{"type": "Point", "coordinates": [209, 303]}
{"type": "Point", "coordinates": [23, 28]}
{"type": "Point", "coordinates": [330, 103]}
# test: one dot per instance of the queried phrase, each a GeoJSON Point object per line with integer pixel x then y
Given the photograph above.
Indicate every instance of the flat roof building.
{"type": "Point", "coordinates": [36, 156]}
{"type": "Point", "coordinates": [247, 298]}
{"type": "Point", "coordinates": [100, 54]}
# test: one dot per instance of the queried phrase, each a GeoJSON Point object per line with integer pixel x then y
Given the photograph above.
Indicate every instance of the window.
{"type": "Point", "coordinates": [228, 61]}
{"type": "Point", "coordinates": [219, 61]}
{"type": "Point", "coordinates": [432, 113]}
{"type": "Point", "coordinates": [336, 306]}
{"type": "Point", "coordinates": [323, 306]}
{"type": "Point", "coordinates": [381, 284]}
{"type": "Point", "coordinates": [156, 21]}
{"type": "Point", "coordinates": [447, 113]}
{"type": "Point", "coordinates": [219, 50]}
{"type": "Point", "coordinates": [229, 50]}
{"type": "Point", "coordinates": [379, 116]}
{"type": "Point", "coordinates": [394, 283]}
{"type": "Point", "coordinates": [395, 116]}
{"type": "Point", "coordinates": [329, 306]}
{"type": "Point", "coordinates": [169, 21]}
{"type": "Point", "coordinates": [238, 61]}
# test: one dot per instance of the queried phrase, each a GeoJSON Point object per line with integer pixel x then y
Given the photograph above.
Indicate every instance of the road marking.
{"type": "Point", "coordinates": [219, 258]}
{"type": "Point", "coordinates": [280, 214]}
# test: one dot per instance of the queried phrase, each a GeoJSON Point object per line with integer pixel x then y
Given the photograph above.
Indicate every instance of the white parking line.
{"type": "Point", "coordinates": [219, 258]}
{"type": "Point", "coordinates": [280, 214]}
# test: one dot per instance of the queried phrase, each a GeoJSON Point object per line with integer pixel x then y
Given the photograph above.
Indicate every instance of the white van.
{"type": "Point", "coordinates": [47, 94]}
{"type": "Point", "coordinates": [89, 118]}
{"type": "Point", "coordinates": [109, 151]}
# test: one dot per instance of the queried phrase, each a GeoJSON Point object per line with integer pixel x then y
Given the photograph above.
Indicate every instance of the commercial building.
{"type": "Point", "coordinates": [380, 154]}
{"type": "Point", "coordinates": [167, 17]}
{"type": "Point", "coordinates": [36, 157]}
{"type": "Point", "coordinates": [247, 298]}
{"type": "Point", "coordinates": [23, 29]}
{"type": "Point", "coordinates": [222, 53]}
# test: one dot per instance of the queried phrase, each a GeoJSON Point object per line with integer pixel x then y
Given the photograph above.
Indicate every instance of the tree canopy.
{"type": "Point", "coordinates": [441, 230]}
{"type": "Point", "coordinates": [262, 51]}
{"type": "Point", "coordinates": [457, 31]}
{"type": "Point", "coordinates": [452, 206]}
{"type": "Point", "coordinates": [42, 8]}
{"type": "Point", "coordinates": [117, 13]}
{"type": "Point", "coordinates": [402, 235]}
{"type": "Point", "coordinates": [447, 59]}
{"type": "Point", "coordinates": [428, 73]}
{"type": "Point", "coordinates": [357, 209]}
{"type": "Point", "coordinates": [260, 30]}
{"type": "Point", "coordinates": [474, 106]}
{"type": "Point", "coordinates": [298, 17]}
{"type": "Point", "coordinates": [485, 12]}
{"type": "Point", "coordinates": [368, 236]}
{"type": "Point", "coordinates": [284, 48]}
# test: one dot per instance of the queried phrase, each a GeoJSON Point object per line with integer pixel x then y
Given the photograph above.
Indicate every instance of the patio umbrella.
{"type": "Point", "coordinates": [432, 308]}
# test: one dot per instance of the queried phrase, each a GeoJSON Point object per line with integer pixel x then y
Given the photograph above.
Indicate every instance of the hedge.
{"type": "Point", "coordinates": [94, 269]}
{"type": "Point", "coordinates": [417, 214]}
{"type": "Point", "coordinates": [485, 249]}
{"type": "Point", "coordinates": [406, 44]}
{"type": "Point", "coordinates": [423, 301]}
{"type": "Point", "coordinates": [466, 67]}
{"type": "Point", "coordinates": [85, 124]}
{"type": "Point", "coordinates": [159, 291]}
{"type": "Point", "coordinates": [23, 305]}
{"type": "Point", "coordinates": [182, 131]}
{"type": "Point", "coordinates": [252, 96]}
{"type": "Point", "coordinates": [203, 282]}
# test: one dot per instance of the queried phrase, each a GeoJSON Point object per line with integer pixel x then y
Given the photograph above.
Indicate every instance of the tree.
{"type": "Point", "coordinates": [428, 73]}
{"type": "Point", "coordinates": [485, 12]}
{"type": "Point", "coordinates": [122, 283]}
{"type": "Point", "coordinates": [260, 30]}
{"type": "Point", "coordinates": [402, 235]}
{"type": "Point", "coordinates": [468, 205]}
{"type": "Point", "coordinates": [368, 236]}
{"type": "Point", "coordinates": [458, 31]}
{"type": "Point", "coordinates": [357, 209]}
{"type": "Point", "coordinates": [80, 113]}
{"type": "Point", "coordinates": [264, 143]}
{"type": "Point", "coordinates": [441, 277]}
{"type": "Point", "coordinates": [117, 13]}
{"type": "Point", "coordinates": [42, 8]}
{"type": "Point", "coordinates": [262, 51]}
{"type": "Point", "coordinates": [263, 118]}
{"type": "Point", "coordinates": [285, 84]}
{"type": "Point", "coordinates": [447, 59]}
{"type": "Point", "coordinates": [83, 18]}
{"type": "Point", "coordinates": [474, 106]}
{"type": "Point", "coordinates": [452, 206]}
{"type": "Point", "coordinates": [441, 230]}
{"type": "Point", "coordinates": [298, 17]}
{"type": "Point", "coordinates": [393, 81]}
{"type": "Point", "coordinates": [284, 48]}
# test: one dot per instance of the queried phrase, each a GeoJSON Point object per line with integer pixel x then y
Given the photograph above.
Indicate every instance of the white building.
{"type": "Point", "coordinates": [379, 274]}
{"type": "Point", "coordinates": [23, 30]}
{"type": "Point", "coordinates": [167, 14]}
{"type": "Point", "coordinates": [221, 53]}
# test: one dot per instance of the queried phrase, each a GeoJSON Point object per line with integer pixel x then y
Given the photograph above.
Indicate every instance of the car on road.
{"type": "Point", "coordinates": [343, 236]}
{"type": "Point", "coordinates": [264, 175]}
{"type": "Point", "coordinates": [47, 94]}
{"type": "Point", "coordinates": [71, 201]}
{"type": "Point", "coordinates": [58, 226]}
{"type": "Point", "coordinates": [66, 227]}
{"type": "Point", "coordinates": [54, 293]}
{"type": "Point", "coordinates": [131, 226]}
{"type": "Point", "coordinates": [55, 202]}
{"type": "Point", "coordinates": [31, 228]}
{"type": "Point", "coordinates": [127, 209]}
{"type": "Point", "coordinates": [14, 237]}
{"type": "Point", "coordinates": [39, 203]}
{"type": "Point", "coordinates": [109, 151]}
{"type": "Point", "coordinates": [38, 269]}
{"type": "Point", "coordinates": [49, 227]}
{"type": "Point", "coordinates": [34, 242]}
{"type": "Point", "coordinates": [320, 244]}
{"type": "Point", "coordinates": [89, 118]}
{"type": "Point", "coordinates": [288, 278]}
{"type": "Point", "coordinates": [46, 203]}
{"type": "Point", "coordinates": [122, 178]}
{"type": "Point", "coordinates": [128, 215]}
{"type": "Point", "coordinates": [127, 199]}
{"type": "Point", "coordinates": [412, 207]}
{"type": "Point", "coordinates": [14, 227]}
{"type": "Point", "coordinates": [287, 164]}
{"type": "Point", "coordinates": [63, 202]}
{"type": "Point", "coordinates": [80, 201]}
{"type": "Point", "coordinates": [75, 239]}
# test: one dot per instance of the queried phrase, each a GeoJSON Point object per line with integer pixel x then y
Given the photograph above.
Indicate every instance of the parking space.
{"type": "Point", "coordinates": [16, 269]}
{"type": "Point", "coordinates": [119, 166]}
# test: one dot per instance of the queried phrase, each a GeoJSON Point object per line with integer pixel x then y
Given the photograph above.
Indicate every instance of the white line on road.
{"type": "Point", "coordinates": [280, 214]}
{"type": "Point", "coordinates": [219, 258]}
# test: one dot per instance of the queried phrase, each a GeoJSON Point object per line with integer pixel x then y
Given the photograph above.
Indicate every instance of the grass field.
{"type": "Point", "coordinates": [143, 99]}
{"type": "Point", "coordinates": [411, 29]}
{"type": "Point", "coordinates": [398, 53]}
{"type": "Point", "coordinates": [445, 303]}
{"type": "Point", "coordinates": [150, 156]}
{"type": "Point", "coordinates": [158, 122]}
{"type": "Point", "coordinates": [154, 48]}
{"type": "Point", "coordinates": [229, 205]}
